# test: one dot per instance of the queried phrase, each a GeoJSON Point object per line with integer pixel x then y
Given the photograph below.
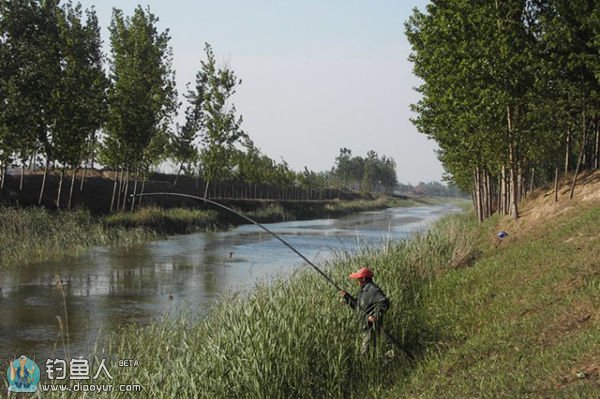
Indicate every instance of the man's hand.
{"type": "Point", "coordinates": [371, 319]}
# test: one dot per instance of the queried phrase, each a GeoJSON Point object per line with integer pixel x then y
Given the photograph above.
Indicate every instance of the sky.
{"type": "Point", "coordinates": [316, 75]}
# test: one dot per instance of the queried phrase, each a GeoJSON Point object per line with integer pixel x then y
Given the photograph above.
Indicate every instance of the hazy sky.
{"type": "Point", "coordinates": [317, 75]}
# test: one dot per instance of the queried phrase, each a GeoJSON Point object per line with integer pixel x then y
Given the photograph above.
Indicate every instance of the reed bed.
{"type": "Point", "coordinates": [28, 235]}
{"type": "Point", "coordinates": [270, 213]}
{"type": "Point", "coordinates": [293, 338]}
{"type": "Point", "coordinates": [164, 221]}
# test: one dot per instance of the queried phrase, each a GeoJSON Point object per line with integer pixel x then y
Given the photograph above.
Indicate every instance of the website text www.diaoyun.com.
{"type": "Point", "coordinates": [98, 388]}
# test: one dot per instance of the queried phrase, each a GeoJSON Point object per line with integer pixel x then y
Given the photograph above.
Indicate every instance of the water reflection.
{"type": "Point", "coordinates": [107, 287]}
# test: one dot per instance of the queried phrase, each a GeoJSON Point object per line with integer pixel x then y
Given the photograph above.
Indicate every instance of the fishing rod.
{"type": "Point", "coordinates": [284, 242]}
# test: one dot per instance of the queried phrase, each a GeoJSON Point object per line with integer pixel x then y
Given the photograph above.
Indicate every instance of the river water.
{"type": "Point", "coordinates": [108, 287]}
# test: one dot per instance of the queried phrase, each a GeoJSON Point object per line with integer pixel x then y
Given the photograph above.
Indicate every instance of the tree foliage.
{"type": "Point", "coordinates": [142, 96]}
{"type": "Point", "coordinates": [507, 88]}
{"type": "Point", "coordinates": [371, 173]}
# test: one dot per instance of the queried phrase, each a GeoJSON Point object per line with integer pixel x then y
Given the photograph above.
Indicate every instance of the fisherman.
{"type": "Point", "coordinates": [372, 303]}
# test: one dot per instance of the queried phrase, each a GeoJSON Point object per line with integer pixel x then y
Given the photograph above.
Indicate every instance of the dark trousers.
{"type": "Point", "coordinates": [371, 338]}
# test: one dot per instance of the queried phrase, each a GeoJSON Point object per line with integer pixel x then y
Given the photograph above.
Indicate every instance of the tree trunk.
{"type": "Point", "coordinates": [126, 190]}
{"type": "Point", "coordinates": [137, 176]}
{"type": "Point", "coordinates": [72, 185]}
{"type": "Point", "coordinates": [2, 174]}
{"type": "Point", "coordinates": [522, 184]}
{"type": "Point", "coordinates": [556, 184]}
{"type": "Point", "coordinates": [178, 173]}
{"type": "Point", "coordinates": [490, 198]}
{"type": "Point", "coordinates": [120, 189]}
{"type": "Point", "coordinates": [478, 195]}
{"type": "Point", "coordinates": [597, 150]}
{"type": "Point", "coordinates": [22, 177]}
{"type": "Point", "coordinates": [33, 157]}
{"type": "Point", "coordinates": [503, 190]}
{"type": "Point", "coordinates": [579, 158]}
{"type": "Point", "coordinates": [142, 191]}
{"type": "Point", "coordinates": [484, 189]}
{"type": "Point", "coordinates": [43, 182]}
{"type": "Point", "coordinates": [499, 196]}
{"type": "Point", "coordinates": [206, 189]}
{"type": "Point", "coordinates": [60, 183]}
{"type": "Point", "coordinates": [114, 193]}
{"type": "Point", "coordinates": [83, 177]}
{"type": "Point", "coordinates": [567, 151]}
{"type": "Point", "coordinates": [514, 208]}
{"type": "Point", "coordinates": [532, 181]}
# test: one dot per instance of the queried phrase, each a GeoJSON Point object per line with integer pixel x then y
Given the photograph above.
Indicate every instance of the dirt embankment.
{"type": "Point", "coordinates": [541, 207]}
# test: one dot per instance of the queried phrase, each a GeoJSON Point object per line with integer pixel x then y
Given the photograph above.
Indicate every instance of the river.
{"type": "Point", "coordinates": [108, 287]}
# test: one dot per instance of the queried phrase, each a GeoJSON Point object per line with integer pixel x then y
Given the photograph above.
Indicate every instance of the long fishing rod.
{"type": "Point", "coordinates": [284, 242]}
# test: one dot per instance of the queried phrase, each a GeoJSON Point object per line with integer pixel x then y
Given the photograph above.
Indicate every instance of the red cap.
{"type": "Point", "coordinates": [361, 273]}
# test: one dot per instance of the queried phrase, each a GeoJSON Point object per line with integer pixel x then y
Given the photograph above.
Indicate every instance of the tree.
{"type": "Point", "coordinates": [222, 129]}
{"type": "Point", "coordinates": [142, 97]}
{"type": "Point", "coordinates": [503, 83]}
{"type": "Point", "coordinates": [30, 71]}
{"type": "Point", "coordinates": [183, 146]}
{"type": "Point", "coordinates": [80, 94]}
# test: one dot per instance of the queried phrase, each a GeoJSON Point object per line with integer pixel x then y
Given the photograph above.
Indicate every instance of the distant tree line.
{"type": "Point", "coordinates": [510, 93]}
{"type": "Point", "coordinates": [371, 173]}
{"type": "Point", "coordinates": [432, 189]}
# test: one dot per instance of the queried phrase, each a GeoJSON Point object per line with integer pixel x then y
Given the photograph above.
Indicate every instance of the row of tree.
{"type": "Point", "coordinates": [510, 93]}
{"type": "Point", "coordinates": [52, 85]}
{"type": "Point", "coordinates": [61, 110]}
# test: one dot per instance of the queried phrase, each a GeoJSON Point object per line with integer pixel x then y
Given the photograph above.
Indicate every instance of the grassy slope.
{"type": "Point", "coordinates": [524, 320]}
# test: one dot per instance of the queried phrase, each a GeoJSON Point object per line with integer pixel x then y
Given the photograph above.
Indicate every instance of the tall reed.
{"type": "Point", "coordinates": [28, 235]}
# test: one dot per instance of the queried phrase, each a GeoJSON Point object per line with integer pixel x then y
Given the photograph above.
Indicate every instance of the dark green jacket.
{"type": "Point", "coordinates": [370, 301]}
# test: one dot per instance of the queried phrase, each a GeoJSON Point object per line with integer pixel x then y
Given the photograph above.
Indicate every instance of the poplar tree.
{"type": "Point", "coordinates": [142, 96]}
{"type": "Point", "coordinates": [80, 96]}
{"type": "Point", "coordinates": [30, 71]}
{"type": "Point", "coordinates": [221, 127]}
{"type": "Point", "coordinates": [505, 84]}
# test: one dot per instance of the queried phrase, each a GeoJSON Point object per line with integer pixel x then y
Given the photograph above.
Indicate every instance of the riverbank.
{"type": "Point", "coordinates": [483, 317]}
{"type": "Point", "coordinates": [35, 234]}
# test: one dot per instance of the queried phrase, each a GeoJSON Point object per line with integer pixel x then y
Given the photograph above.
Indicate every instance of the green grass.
{"type": "Point", "coordinates": [270, 213]}
{"type": "Point", "coordinates": [164, 221]}
{"type": "Point", "coordinates": [523, 322]}
{"type": "Point", "coordinates": [35, 234]}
